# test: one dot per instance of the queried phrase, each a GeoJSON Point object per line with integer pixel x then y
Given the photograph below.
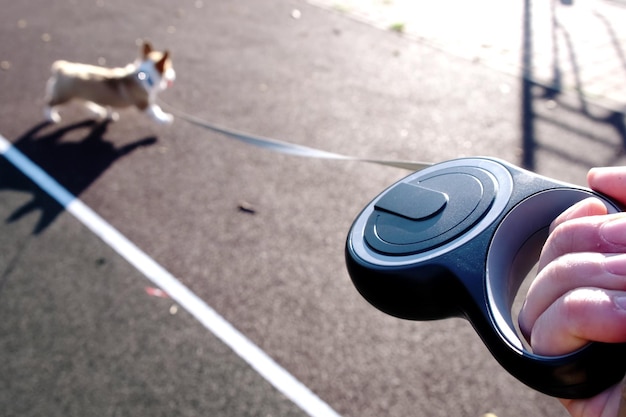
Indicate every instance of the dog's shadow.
{"type": "Point", "coordinates": [74, 162]}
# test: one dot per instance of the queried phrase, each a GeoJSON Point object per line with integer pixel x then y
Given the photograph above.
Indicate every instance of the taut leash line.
{"type": "Point", "coordinates": [288, 148]}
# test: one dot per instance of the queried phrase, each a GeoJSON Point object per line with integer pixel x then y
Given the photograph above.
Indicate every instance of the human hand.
{"type": "Point", "coordinates": [579, 294]}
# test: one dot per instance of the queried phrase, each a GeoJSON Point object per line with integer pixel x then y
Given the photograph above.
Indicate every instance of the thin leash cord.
{"type": "Point", "coordinates": [288, 148]}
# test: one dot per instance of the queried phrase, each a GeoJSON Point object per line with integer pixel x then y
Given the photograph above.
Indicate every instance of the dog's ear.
{"type": "Point", "coordinates": [160, 65]}
{"type": "Point", "coordinates": [146, 48]}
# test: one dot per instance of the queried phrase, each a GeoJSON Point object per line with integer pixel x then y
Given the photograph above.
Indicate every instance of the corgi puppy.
{"type": "Point", "coordinates": [102, 89]}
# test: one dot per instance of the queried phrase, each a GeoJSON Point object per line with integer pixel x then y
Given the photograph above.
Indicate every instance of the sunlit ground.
{"type": "Point", "coordinates": [575, 45]}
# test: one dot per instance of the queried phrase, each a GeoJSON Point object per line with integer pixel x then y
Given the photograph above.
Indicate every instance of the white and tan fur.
{"type": "Point", "coordinates": [102, 89]}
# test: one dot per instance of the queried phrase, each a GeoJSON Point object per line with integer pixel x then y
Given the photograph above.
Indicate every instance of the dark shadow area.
{"type": "Point", "coordinates": [534, 92]}
{"type": "Point", "coordinates": [74, 155]}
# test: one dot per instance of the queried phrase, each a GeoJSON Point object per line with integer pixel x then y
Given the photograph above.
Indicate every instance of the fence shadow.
{"type": "Point", "coordinates": [74, 155]}
{"type": "Point", "coordinates": [534, 91]}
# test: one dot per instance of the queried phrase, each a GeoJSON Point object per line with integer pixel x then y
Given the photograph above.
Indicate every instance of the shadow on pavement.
{"type": "Point", "coordinates": [534, 92]}
{"type": "Point", "coordinates": [71, 157]}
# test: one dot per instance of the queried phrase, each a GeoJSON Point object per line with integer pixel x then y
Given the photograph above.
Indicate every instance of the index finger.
{"type": "Point", "coordinates": [602, 234]}
{"type": "Point", "coordinates": [588, 207]}
{"type": "Point", "coordinates": [610, 181]}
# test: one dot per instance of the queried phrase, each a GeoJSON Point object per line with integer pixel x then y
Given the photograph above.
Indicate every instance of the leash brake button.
{"type": "Point", "coordinates": [412, 201]}
{"type": "Point", "coordinates": [416, 216]}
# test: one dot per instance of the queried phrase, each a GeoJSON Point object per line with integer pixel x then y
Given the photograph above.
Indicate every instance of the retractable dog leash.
{"type": "Point", "coordinates": [456, 239]}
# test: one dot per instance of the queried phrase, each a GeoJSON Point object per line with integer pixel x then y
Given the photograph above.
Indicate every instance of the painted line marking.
{"type": "Point", "coordinates": [275, 374]}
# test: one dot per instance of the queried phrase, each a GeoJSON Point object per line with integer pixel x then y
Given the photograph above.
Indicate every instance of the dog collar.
{"type": "Point", "coordinates": [144, 77]}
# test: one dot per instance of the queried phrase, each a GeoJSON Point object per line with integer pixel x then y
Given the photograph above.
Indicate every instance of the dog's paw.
{"type": "Point", "coordinates": [166, 119]}
{"type": "Point", "coordinates": [113, 116]}
{"type": "Point", "coordinates": [158, 115]}
{"type": "Point", "coordinates": [52, 115]}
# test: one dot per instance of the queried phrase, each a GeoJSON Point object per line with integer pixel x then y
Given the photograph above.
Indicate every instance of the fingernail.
{"type": "Point", "coordinates": [615, 264]}
{"type": "Point", "coordinates": [614, 231]}
{"type": "Point", "coordinates": [600, 170]}
{"type": "Point", "coordinates": [588, 206]}
{"type": "Point", "coordinates": [620, 302]}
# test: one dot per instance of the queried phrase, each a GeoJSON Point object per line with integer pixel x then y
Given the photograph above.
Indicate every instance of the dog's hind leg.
{"type": "Point", "coordinates": [50, 112]}
{"type": "Point", "coordinates": [52, 100]}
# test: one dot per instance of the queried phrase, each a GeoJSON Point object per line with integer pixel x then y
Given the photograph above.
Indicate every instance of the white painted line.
{"type": "Point", "coordinates": [248, 351]}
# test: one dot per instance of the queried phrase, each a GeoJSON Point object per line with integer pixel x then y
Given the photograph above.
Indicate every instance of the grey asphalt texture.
{"type": "Point", "coordinates": [81, 335]}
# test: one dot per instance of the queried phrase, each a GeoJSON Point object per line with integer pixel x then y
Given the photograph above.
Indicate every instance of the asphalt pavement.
{"type": "Point", "coordinates": [257, 235]}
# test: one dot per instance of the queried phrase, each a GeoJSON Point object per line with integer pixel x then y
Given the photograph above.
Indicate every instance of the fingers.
{"type": "Point", "coordinates": [583, 250]}
{"type": "Point", "coordinates": [602, 234]}
{"type": "Point", "coordinates": [565, 274]}
{"type": "Point", "coordinates": [610, 181]}
{"type": "Point", "coordinates": [581, 315]}
{"type": "Point", "coordinates": [588, 207]}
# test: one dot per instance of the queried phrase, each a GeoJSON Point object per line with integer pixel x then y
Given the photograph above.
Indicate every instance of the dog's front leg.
{"type": "Point", "coordinates": [158, 114]}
